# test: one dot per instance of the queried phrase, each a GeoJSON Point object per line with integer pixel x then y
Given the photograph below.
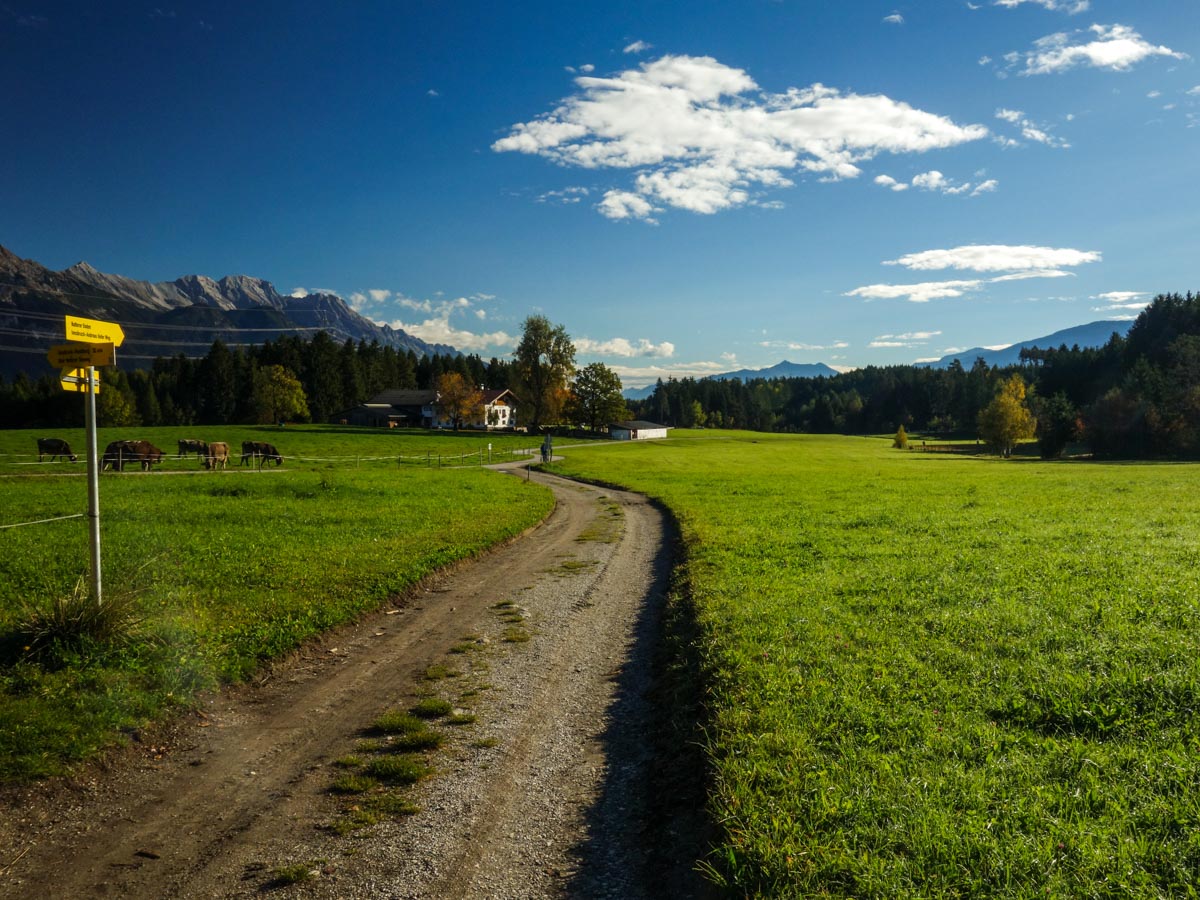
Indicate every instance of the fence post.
{"type": "Point", "coordinates": [93, 471]}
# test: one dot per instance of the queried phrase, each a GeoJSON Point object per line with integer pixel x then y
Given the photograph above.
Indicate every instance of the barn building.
{"type": "Point", "coordinates": [636, 431]}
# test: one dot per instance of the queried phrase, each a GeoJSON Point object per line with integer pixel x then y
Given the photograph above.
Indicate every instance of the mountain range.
{"type": "Point", "coordinates": [168, 317]}
{"type": "Point", "coordinates": [1094, 334]}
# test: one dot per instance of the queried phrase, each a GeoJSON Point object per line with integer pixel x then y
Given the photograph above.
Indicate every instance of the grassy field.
{"type": "Point", "coordinates": [931, 676]}
{"type": "Point", "coordinates": [226, 569]}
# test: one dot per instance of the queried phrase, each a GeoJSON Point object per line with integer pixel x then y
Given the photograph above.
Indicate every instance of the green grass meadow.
{"type": "Point", "coordinates": [227, 568]}
{"type": "Point", "coordinates": [931, 676]}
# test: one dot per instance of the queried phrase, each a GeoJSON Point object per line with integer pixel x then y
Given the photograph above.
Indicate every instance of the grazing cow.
{"type": "Point", "coordinates": [198, 447]}
{"type": "Point", "coordinates": [261, 452]}
{"type": "Point", "coordinates": [218, 455]}
{"type": "Point", "coordinates": [118, 453]}
{"type": "Point", "coordinates": [54, 448]}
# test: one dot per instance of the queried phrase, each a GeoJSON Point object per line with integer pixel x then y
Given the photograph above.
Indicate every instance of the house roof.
{"type": "Point", "coordinates": [493, 396]}
{"type": "Point", "coordinates": [402, 398]}
{"type": "Point", "coordinates": [635, 425]}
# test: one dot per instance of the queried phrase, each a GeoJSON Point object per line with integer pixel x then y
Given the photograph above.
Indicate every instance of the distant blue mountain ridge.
{"type": "Point", "coordinates": [1094, 334]}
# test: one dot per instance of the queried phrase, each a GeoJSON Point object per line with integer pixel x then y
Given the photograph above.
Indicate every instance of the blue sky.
{"type": "Point", "coordinates": [686, 187]}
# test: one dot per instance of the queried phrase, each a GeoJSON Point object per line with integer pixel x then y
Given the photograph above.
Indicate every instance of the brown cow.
{"type": "Point", "coordinates": [118, 453]}
{"type": "Point", "coordinates": [260, 451]}
{"type": "Point", "coordinates": [198, 447]}
{"type": "Point", "coordinates": [54, 448]}
{"type": "Point", "coordinates": [218, 455]}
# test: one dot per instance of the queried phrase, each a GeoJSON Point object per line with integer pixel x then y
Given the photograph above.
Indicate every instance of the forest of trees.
{"type": "Point", "coordinates": [1137, 396]}
{"type": "Point", "coordinates": [226, 385]}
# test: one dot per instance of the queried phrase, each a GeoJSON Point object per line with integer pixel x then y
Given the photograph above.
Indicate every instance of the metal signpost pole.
{"type": "Point", "coordinates": [93, 471]}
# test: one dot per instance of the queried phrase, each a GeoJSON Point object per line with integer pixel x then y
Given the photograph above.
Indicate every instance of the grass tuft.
{"type": "Point", "coordinates": [432, 708]}
{"type": "Point", "coordinates": [398, 769]}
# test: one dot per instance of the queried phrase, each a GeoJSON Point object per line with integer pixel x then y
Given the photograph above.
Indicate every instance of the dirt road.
{"type": "Point", "coordinates": [546, 794]}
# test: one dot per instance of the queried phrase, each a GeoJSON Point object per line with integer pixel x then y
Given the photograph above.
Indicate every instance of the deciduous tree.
{"type": "Point", "coordinates": [458, 399]}
{"type": "Point", "coordinates": [544, 362]}
{"type": "Point", "coordinates": [278, 395]}
{"type": "Point", "coordinates": [1007, 420]}
{"type": "Point", "coordinates": [596, 397]}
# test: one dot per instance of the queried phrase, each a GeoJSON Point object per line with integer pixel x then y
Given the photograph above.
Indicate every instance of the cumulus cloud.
{"type": "Point", "coordinates": [637, 47]}
{"type": "Point", "coordinates": [935, 182]}
{"type": "Point", "coordinates": [996, 258]}
{"type": "Point", "coordinates": [894, 19]}
{"type": "Point", "coordinates": [438, 329]}
{"type": "Point", "coordinates": [702, 136]}
{"type": "Point", "coordinates": [624, 347]}
{"type": "Point", "coordinates": [1114, 47]}
{"type": "Point", "coordinates": [643, 376]}
{"type": "Point", "coordinates": [1071, 7]}
{"type": "Point", "coordinates": [1030, 130]}
{"type": "Point", "coordinates": [888, 181]}
{"type": "Point", "coordinates": [1194, 92]}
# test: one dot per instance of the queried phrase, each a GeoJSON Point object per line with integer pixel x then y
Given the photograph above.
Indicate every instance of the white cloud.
{"type": "Point", "coordinates": [908, 341]}
{"type": "Point", "coordinates": [637, 47]}
{"type": "Point", "coordinates": [643, 376]}
{"type": "Point", "coordinates": [794, 345]}
{"type": "Point", "coordinates": [565, 196]}
{"type": "Point", "coordinates": [379, 296]}
{"type": "Point", "coordinates": [1113, 47]}
{"type": "Point", "coordinates": [1154, 94]}
{"type": "Point", "coordinates": [437, 328]}
{"type": "Point", "coordinates": [1030, 130]}
{"type": "Point", "coordinates": [626, 205]}
{"type": "Point", "coordinates": [299, 292]}
{"type": "Point", "coordinates": [432, 93]}
{"type": "Point", "coordinates": [1124, 297]}
{"type": "Point", "coordinates": [1032, 273]}
{"type": "Point", "coordinates": [586, 68]}
{"type": "Point", "coordinates": [1071, 7]}
{"type": "Point", "coordinates": [984, 60]}
{"type": "Point", "coordinates": [995, 258]}
{"type": "Point", "coordinates": [1194, 92]}
{"type": "Point", "coordinates": [704, 137]}
{"type": "Point", "coordinates": [894, 19]}
{"type": "Point", "coordinates": [916, 293]}
{"type": "Point", "coordinates": [625, 348]}
{"type": "Point", "coordinates": [936, 182]}
{"type": "Point", "coordinates": [889, 182]}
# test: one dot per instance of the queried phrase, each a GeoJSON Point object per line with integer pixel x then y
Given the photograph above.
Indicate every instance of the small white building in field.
{"type": "Point", "coordinates": [636, 431]}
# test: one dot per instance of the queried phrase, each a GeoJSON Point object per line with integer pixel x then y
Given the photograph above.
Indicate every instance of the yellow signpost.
{"type": "Point", "coordinates": [93, 344]}
{"type": "Point", "coordinates": [92, 331]}
{"type": "Point", "coordinates": [77, 380]}
{"type": "Point", "coordinates": [74, 355]}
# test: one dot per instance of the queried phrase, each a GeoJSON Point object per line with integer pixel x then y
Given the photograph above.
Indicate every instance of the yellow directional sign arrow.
{"type": "Point", "coordinates": [92, 331]}
{"type": "Point", "coordinates": [70, 356]}
{"type": "Point", "coordinates": [76, 380]}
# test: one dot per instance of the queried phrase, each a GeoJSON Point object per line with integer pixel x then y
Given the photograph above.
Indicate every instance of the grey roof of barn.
{"type": "Point", "coordinates": [636, 425]}
{"type": "Point", "coordinates": [402, 398]}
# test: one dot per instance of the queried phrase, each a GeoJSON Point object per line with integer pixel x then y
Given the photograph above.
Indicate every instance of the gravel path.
{"type": "Point", "coordinates": [546, 794]}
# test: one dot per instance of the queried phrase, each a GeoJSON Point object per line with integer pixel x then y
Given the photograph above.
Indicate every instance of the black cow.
{"type": "Point", "coordinates": [118, 453]}
{"type": "Point", "coordinates": [200, 448]}
{"type": "Point", "coordinates": [260, 451]}
{"type": "Point", "coordinates": [54, 448]}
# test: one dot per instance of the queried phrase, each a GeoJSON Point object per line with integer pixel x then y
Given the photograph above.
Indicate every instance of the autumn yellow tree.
{"type": "Point", "coordinates": [458, 400]}
{"type": "Point", "coordinates": [278, 395]}
{"type": "Point", "coordinates": [1007, 420]}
